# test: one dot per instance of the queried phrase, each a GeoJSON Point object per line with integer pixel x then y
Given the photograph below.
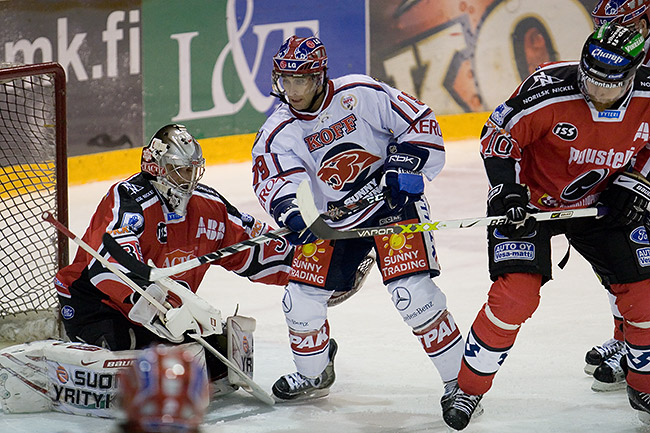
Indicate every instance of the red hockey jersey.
{"type": "Point", "coordinates": [564, 148]}
{"type": "Point", "coordinates": [153, 232]}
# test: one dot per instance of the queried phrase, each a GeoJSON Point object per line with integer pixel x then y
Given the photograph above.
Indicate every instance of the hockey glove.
{"type": "Point", "coordinates": [511, 200]}
{"type": "Point", "coordinates": [287, 214]}
{"type": "Point", "coordinates": [628, 199]}
{"type": "Point", "coordinates": [145, 313]}
{"type": "Point", "coordinates": [402, 174]}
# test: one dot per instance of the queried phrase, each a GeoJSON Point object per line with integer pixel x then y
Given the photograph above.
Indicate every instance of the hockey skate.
{"type": "Point", "coordinates": [609, 375]}
{"type": "Point", "coordinates": [598, 354]}
{"type": "Point", "coordinates": [641, 402]}
{"type": "Point", "coordinates": [295, 386]}
{"type": "Point", "coordinates": [460, 409]}
{"type": "Point", "coordinates": [450, 391]}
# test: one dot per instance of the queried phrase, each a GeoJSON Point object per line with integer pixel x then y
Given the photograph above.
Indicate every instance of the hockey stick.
{"type": "Point", "coordinates": [154, 274]}
{"type": "Point", "coordinates": [255, 390]}
{"type": "Point", "coordinates": [320, 228]}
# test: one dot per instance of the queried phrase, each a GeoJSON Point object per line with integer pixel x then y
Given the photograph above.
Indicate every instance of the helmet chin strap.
{"type": "Point", "coordinates": [176, 199]}
{"type": "Point", "coordinates": [314, 98]}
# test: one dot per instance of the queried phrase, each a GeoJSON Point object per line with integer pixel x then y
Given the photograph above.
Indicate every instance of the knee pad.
{"type": "Point", "coordinates": [513, 298]}
{"type": "Point", "coordinates": [418, 299]}
{"type": "Point", "coordinates": [305, 307]}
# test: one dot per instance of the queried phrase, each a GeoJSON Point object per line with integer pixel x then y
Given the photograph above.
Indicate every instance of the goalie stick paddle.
{"type": "Point", "coordinates": [153, 274]}
{"type": "Point", "coordinates": [253, 388]}
{"type": "Point", "coordinates": [322, 230]}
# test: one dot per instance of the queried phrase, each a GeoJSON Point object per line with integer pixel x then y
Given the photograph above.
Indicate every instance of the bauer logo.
{"type": "Point", "coordinates": [639, 236]}
{"type": "Point", "coordinates": [133, 221]}
{"type": "Point", "coordinates": [643, 255]}
{"type": "Point", "coordinates": [514, 251]}
{"type": "Point", "coordinates": [67, 312]}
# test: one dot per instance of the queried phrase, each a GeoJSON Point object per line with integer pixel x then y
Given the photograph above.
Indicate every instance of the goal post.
{"type": "Point", "coordinates": [33, 179]}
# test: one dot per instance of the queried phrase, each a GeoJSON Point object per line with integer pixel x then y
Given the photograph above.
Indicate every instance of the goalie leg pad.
{"type": "Point", "coordinates": [240, 346]}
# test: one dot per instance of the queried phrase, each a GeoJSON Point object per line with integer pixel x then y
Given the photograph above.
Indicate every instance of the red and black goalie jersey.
{"type": "Point", "coordinates": [145, 227]}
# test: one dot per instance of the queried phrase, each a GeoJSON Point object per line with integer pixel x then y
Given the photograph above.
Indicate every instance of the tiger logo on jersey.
{"type": "Point", "coordinates": [341, 170]}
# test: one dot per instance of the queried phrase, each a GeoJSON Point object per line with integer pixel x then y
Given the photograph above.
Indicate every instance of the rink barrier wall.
{"type": "Point", "coordinates": [119, 164]}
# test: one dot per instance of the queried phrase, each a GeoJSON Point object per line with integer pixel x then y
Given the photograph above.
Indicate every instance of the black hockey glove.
{"type": "Point", "coordinates": [628, 199]}
{"type": "Point", "coordinates": [287, 214]}
{"type": "Point", "coordinates": [402, 174]}
{"type": "Point", "coordinates": [511, 200]}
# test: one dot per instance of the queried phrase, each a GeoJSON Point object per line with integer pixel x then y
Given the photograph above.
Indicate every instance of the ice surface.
{"type": "Point", "coordinates": [385, 382]}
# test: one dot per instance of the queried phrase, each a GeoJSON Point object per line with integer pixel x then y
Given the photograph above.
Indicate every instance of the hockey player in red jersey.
{"type": "Point", "coordinates": [604, 361]}
{"type": "Point", "coordinates": [349, 137]}
{"type": "Point", "coordinates": [164, 390]}
{"type": "Point", "coordinates": [165, 215]}
{"type": "Point", "coordinates": [573, 134]}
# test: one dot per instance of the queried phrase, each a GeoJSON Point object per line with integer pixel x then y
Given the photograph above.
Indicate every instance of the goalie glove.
{"type": "Point", "coordinates": [147, 315]}
{"type": "Point", "coordinates": [628, 199]}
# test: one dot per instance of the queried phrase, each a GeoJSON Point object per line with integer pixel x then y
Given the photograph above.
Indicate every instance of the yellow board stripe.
{"type": "Point", "coordinates": [118, 164]}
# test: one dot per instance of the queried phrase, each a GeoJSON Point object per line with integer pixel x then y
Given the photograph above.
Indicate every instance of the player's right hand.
{"type": "Point", "coordinates": [287, 214]}
{"type": "Point", "coordinates": [511, 200]}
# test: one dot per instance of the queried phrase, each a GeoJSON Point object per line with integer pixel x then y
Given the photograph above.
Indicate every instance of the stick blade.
{"type": "Point", "coordinates": [306, 203]}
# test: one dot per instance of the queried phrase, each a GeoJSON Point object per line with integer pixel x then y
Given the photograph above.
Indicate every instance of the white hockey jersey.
{"type": "Point", "coordinates": [341, 147]}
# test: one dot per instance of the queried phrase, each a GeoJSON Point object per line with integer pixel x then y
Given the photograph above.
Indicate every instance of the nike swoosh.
{"type": "Point", "coordinates": [85, 364]}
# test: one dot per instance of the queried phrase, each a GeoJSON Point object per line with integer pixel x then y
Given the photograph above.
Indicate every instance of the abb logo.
{"type": "Point", "coordinates": [439, 334]}
{"type": "Point", "coordinates": [213, 230]}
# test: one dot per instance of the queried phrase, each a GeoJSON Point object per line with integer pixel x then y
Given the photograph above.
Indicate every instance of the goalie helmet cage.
{"type": "Point", "coordinates": [33, 179]}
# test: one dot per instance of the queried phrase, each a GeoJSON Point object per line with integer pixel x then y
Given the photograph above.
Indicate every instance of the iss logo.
{"type": "Point", "coordinates": [565, 131]}
{"type": "Point", "coordinates": [401, 298]}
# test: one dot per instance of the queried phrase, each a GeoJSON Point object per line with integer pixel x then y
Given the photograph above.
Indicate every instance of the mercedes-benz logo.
{"type": "Point", "coordinates": [286, 302]}
{"type": "Point", "coordinates": [401, 298]}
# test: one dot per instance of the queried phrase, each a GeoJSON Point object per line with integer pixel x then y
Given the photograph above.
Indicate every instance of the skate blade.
{"type": "Point", "coordinates": [599, 386]}
{"type": "Point", "coordinates": [313, 395]}
{"type": "Point", "coordinates": [589, 369]}
{"type": "Point", "coordinates": [644, 416]}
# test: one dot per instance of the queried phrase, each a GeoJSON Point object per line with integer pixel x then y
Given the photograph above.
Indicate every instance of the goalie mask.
{"type": "Point", "coordinates": [300, 65]}
{"type": "Point", "coordinates": [175, 160]}
{"type": "Point", "coordinates": [610, 58]}
{"type": "Point", "coordinates": [165, 390]}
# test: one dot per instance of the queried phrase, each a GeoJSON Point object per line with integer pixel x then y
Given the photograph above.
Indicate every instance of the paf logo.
{"type": "Point", "coordinates": [342, 169]}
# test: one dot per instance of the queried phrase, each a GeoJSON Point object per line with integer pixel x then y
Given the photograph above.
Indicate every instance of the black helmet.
{"type": "Point", "coordinates": [612, 53]}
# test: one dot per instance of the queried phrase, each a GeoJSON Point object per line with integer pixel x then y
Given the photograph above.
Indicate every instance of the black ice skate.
{"type": "Point", "coordinates": [609, 376]}
{"type": "Point", "coordinates": [641, 402]}
{"type": "Point", "coordinates": [451, 389]}
{"type": "Point", "coordinates": [460, 410]}
{"type": "Point", "coordinates": [295, 386]}
{"type": "Point", "coordinates": [598, 354]}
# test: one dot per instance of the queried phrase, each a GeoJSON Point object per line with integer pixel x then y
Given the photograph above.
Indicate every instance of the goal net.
{"type": "Point", "coordinates": [33, 179]}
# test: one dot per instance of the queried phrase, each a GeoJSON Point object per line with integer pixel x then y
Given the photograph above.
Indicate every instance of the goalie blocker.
{"type": "Point", "coordinates": [82, 379]}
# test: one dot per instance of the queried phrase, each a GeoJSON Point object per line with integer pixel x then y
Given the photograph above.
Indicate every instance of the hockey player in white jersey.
{"type": "Point", "coordinates": [351, 137]}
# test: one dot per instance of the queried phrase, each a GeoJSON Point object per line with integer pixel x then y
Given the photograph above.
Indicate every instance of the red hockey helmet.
{"type": "Point", "coordinates": [300, 56]}
{"type": "Point", "coordinates": [606, 11]}
{"type": "Point", "coordinates": [165, 390]}
{"type": "Point", "coordinates": [632, 11]}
